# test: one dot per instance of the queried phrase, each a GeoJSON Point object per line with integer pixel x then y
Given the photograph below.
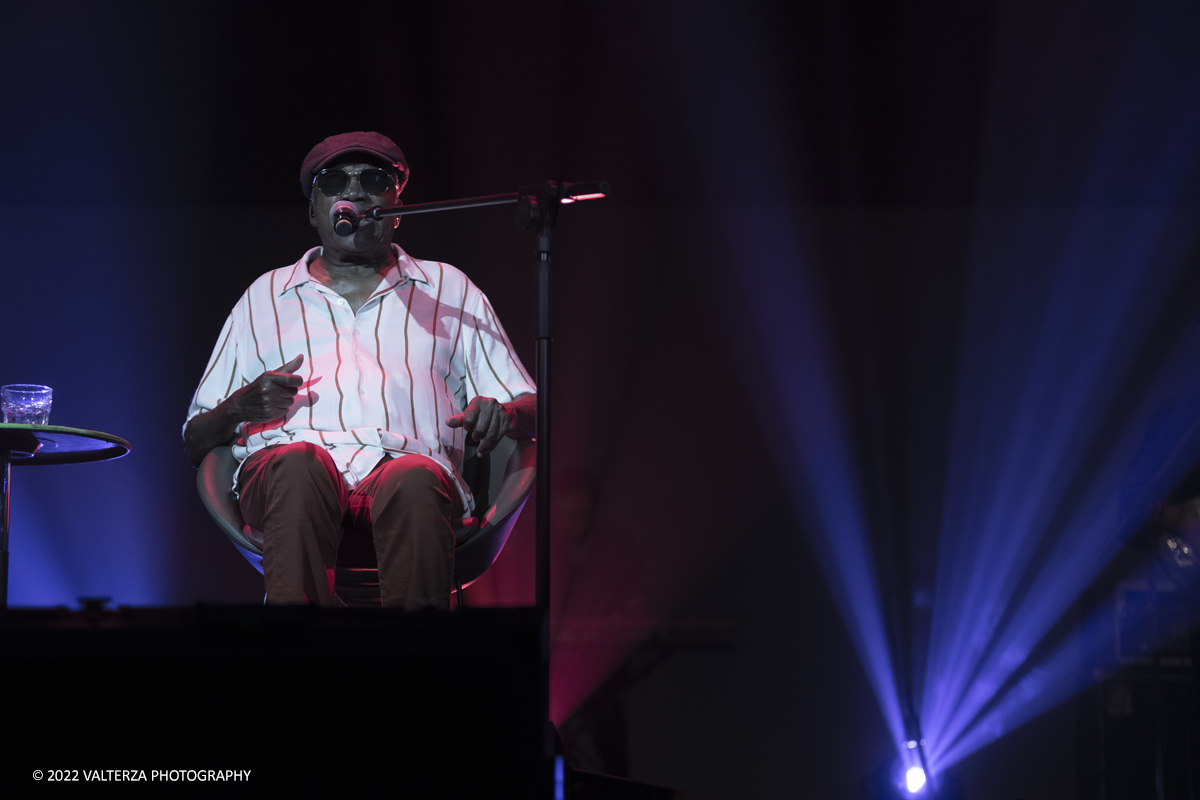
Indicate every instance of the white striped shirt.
{"type": "Point", "coordinates": [380, 381]}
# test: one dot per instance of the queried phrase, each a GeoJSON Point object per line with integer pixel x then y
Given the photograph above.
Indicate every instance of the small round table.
{"type": "Point", "coordinates": [36, 445]}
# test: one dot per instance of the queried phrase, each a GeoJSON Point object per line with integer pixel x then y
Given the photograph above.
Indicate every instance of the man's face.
{"type": "Point", "coordinates": [372, 238]}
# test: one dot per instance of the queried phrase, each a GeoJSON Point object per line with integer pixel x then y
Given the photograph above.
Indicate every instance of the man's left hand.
{"type": "Point", "coordinates": [487, 421]}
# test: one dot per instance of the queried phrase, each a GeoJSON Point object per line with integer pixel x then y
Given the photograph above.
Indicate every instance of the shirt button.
{"type": "Point", "coordinates": [341, 302]}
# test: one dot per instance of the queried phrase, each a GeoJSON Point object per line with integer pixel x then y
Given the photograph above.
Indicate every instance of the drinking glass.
{"type": "Point", "coordinates": [26, 403]}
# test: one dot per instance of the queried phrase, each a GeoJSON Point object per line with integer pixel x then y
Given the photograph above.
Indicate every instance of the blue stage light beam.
{"type": "Point", "coordinates": [997, 530]}
{"type": "Point", "coordinates": [1090, 540]}
{"type": "Point", "coordinates": [1057, 677]}
{"type": "Point", "coordinates": [802, 412]}
{"type": "Point", "coordinates": [1077, 245]}
{"type": "Point", "coordinates": [1052, 329]}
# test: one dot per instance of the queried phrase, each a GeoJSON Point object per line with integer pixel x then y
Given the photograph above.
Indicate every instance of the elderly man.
{"type": "Point", "coordinates": [383, 364]}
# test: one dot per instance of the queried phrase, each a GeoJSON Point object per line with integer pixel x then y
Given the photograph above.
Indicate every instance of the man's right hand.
{"type": "Point", "coordinates": [270, 395]}
{"type": "Point", "coordinates": [267, 397]}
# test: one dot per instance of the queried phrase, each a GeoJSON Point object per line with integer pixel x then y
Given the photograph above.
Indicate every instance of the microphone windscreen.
{"type": "Point", "coordinates": [344, 216]}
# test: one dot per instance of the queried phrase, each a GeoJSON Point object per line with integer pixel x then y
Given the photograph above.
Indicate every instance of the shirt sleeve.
{"type": "Point", "coordinates": [493, 369]}
{"type": "Point", "coordinates": [220, 374]}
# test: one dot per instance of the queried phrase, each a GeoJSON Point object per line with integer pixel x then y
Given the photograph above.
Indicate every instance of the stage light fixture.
{"type": "Point", "coordinates": [914, 780]}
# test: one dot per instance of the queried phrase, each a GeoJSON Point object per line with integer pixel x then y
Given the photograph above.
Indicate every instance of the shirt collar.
{"type": "Point", "coordinates": [409, 270]}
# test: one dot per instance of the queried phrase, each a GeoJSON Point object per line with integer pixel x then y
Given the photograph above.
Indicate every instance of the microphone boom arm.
{"type": "Point", "coordinates": [442, 205]}
{"type": "Point", "coordinates": [568, 193]}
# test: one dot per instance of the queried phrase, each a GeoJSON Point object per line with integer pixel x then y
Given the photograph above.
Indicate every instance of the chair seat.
{"type": "Point", "coordinates": [356, 575]}
{"type": "Point", "coordinates": [463, 528]}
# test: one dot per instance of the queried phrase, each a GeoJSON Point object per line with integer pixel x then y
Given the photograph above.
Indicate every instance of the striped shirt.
{"type": "Point", "coordinates": [381, 381]}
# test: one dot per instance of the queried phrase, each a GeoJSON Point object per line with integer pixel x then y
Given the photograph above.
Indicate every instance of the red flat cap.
{"type": "Point", "coordinates": [376, 145]}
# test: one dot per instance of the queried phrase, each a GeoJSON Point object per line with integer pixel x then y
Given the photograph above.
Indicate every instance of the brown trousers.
{"type": "Point", "coordinates": [295, 495]}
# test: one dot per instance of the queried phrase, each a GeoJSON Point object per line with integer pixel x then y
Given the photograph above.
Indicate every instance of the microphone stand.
{"type": "Point", "coordinates": [537, 210]}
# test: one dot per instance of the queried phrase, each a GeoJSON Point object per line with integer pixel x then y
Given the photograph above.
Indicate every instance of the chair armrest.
{"type": "Point", "coordinates": [214, 481]}
{"type": "Point", "coordinates": [520, 472]}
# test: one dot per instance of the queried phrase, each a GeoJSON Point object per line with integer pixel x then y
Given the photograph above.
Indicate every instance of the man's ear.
{"type": "Point", "coordinates": [312, 214]}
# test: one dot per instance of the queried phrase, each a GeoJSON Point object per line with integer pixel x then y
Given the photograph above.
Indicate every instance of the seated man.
{"type": "Point", "coordinates": [383, 365]}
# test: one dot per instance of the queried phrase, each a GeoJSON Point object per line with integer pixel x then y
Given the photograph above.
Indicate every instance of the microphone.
{"type": "Point", "coordinates": [344, 216]}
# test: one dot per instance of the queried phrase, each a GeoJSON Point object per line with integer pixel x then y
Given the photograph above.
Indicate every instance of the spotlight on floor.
{"type": "Point", "coordinates": [909, 780]}
{"type": "Point", "coordinates": [914, 780]}
{"type": "Point", "coordinates": [901, 779]}
{"type": "Point", "coordinates": [898, 779]}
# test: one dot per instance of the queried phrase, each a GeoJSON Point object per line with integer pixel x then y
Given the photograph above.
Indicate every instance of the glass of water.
{"type": "Point", "coordinates": [26, 403]}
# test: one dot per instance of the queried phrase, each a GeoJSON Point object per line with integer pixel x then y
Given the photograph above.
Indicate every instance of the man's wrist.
{"type": "Point", "coordinates": [521, 414]}
{"type": "Point", "coordinates": [229, 413]}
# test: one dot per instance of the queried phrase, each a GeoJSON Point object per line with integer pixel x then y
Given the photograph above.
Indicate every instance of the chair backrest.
{"type": "Point", "coordinates": [501, 484]}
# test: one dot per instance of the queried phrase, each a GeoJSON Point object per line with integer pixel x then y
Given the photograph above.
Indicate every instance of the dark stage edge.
{"type": "Point", "coordinates": [594, 786]}
{"type": "Point", "coordinates": [311, 701]}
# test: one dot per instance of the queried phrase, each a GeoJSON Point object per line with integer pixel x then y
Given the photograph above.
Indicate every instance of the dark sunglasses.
{"type": "Point", "coordinates": [333, 182]}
